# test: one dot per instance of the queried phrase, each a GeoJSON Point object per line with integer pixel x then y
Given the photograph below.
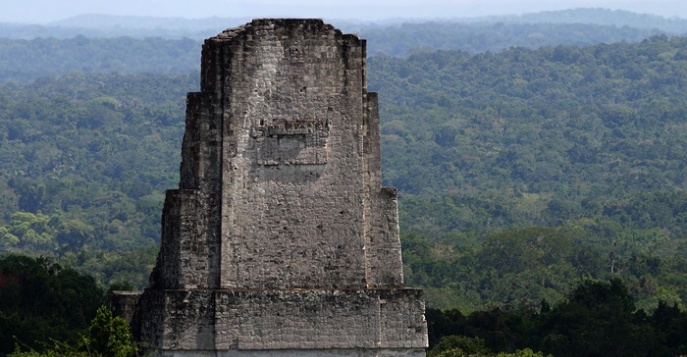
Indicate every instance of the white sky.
{"type": "Point", "coordinates": [42, 11]}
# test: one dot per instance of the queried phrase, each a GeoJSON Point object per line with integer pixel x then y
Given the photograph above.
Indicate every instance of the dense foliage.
{"type": "Point", "coordinates": [86, 160]}
{"type": "Point", "coordinates": [40, 300]}
{"type": "Point", "coordinates": [596, 319]}
{"type": "Point", "coordinates": [586, 139]}
{"type": "Point", "coordinates": [516, 269]}
{"type": "Point", "coordinates": [107, 336]}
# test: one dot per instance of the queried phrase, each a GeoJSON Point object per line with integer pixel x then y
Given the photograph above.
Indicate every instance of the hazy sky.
{"type": "Point", "coordinates": [42, 11]}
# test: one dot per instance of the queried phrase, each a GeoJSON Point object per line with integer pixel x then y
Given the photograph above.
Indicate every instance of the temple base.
{"type": "Point", "coordinates": [300, 353]}
{"type": "Point", "coordinates": [379, 322]}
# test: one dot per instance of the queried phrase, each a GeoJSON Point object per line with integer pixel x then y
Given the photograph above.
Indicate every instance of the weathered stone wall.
{"type": "Point", "coordinates": [280, 237]}
{"type": "Point", "coordinates": [290, 139]}
{"type": "Point", "coordinates": [292, 199]}
{"type": "Point", "coordinates": [382, 352]}
{"type": "Point", "coordinates": [288, 319]}
{"type": "Point", "coordinates": [124, 304]}
{"type": "Point", "coordinates": [382, 244]}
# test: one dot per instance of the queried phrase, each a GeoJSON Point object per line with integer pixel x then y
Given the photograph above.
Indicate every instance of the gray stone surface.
{"type": "Point", "coordinates": [280, 237]}
{"type": "Point", "coordinates": [282, 319]}
{"type": "Point", "coordinates": [301, 353]}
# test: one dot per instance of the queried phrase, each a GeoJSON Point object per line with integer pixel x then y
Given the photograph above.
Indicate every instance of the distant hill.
{"type": "Point", "coordinates": [133, 45]}
{"type": "Point", "coordinates": [596, 16]}
{"type": "Point", "coordinates": [26, 60]}
{"type": "Point", "coordinates": [97, 21]}
{"type": "Point", "coordinates": [408, 38]}
{"type": "Point", "coordinates": [95, 25]}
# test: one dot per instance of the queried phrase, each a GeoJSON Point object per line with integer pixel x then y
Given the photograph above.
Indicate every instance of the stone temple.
{"type": "Point", "coordinates": [280, 240]}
